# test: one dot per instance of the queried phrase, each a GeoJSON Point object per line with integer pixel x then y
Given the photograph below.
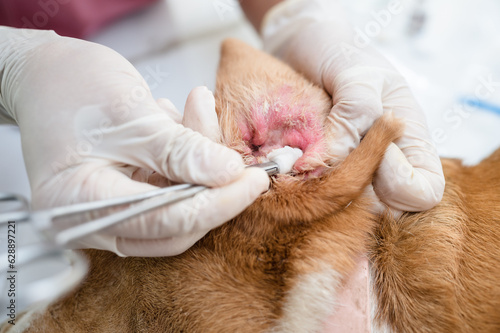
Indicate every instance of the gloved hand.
{"type": "Point", "coordinates": [314, 37]}
{"type": "Point", "coordinates": [91, 130]}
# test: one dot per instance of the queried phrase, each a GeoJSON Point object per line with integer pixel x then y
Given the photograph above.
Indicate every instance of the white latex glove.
{"type": "Point", "coordinates": [91, 130]}
{"type": "Point", "coordinates": [313, 36]}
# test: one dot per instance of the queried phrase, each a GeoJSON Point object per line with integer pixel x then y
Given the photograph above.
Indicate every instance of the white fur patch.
{"type": "Point", "coordinates": [309, 303]}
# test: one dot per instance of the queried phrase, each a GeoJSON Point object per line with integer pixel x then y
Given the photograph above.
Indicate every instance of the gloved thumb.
{"type": "Point", "coordinates": [408, 187]}
{"type": "Point", "coordinates": [190, 157]}
{"type": "Point", "coordinates": [200, 115]}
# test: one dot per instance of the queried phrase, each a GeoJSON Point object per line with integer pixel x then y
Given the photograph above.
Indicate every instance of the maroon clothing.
{"type": "Point", "coordinates": [74, 18]}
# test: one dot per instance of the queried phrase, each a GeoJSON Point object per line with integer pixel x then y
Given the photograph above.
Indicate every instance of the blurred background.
{"type": "Point", "coordinates": [448, 50]}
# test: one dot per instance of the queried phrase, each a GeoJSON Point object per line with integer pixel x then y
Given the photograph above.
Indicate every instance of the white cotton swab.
{"type": "Point", "coordinates": [285, 158]}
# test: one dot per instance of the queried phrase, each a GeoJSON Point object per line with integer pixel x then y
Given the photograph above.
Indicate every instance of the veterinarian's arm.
{"type": "Point", "coordinates": [314, 37]}
{"type": "Point", "coordinates": [91, 129]}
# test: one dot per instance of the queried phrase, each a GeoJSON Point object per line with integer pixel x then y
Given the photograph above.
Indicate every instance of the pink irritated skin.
{"type": "Point", "coordinates": [277, 121]}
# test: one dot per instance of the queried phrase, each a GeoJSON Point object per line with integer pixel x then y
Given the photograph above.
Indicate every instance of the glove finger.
{"type": "Point", "coordinates": [410, 177]}
{"type": "Point", "coordinates": [357, 104]}
{"type": "Point", "coordinates": [203, 212]}
{"type": "Point", "coordinates": [406, 186]}
{"type": "Point", "coordinates": [195, 159]}
{"type": "Point", "coordinates": [178, 153]}
{"type": "Point", "coordinates": [170, 246]}
{"type": "Point", "coordinates": [170, 109]}
{"type": "Point", "coordinates": [200, 115]}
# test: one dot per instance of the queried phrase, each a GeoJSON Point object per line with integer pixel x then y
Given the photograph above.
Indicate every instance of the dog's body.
{"type": "Point", "coordinates": [279, 265]}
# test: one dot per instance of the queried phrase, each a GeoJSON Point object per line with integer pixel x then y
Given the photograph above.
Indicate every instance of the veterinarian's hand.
{"type": "Point", "coordinates": [91, 130]}
{"type": "Point", "coordinates": [313, 36]}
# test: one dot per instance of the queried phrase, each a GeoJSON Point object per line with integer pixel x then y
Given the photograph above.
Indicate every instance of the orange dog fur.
{"type": "Point", "coordinates": [278, 266]}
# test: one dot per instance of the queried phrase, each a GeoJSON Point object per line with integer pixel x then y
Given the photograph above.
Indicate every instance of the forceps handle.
{"type": "Point", "coordinates": [96, 205]}
{"type": "Point", "coordinates": [184, 191]}
{"type": "Point", "coordinates": [43, 219]}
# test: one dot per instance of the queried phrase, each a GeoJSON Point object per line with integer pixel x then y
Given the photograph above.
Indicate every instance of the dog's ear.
{"type": "Point", "coordinates": [247, 76]}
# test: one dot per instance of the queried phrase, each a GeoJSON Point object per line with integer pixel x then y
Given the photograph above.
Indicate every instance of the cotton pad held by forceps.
{"type": "Point", "coordinates": [285, 158]}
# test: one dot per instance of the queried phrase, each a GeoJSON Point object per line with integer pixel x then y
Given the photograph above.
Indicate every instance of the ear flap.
{"type": "Point", "coordinates": [246, 77]}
